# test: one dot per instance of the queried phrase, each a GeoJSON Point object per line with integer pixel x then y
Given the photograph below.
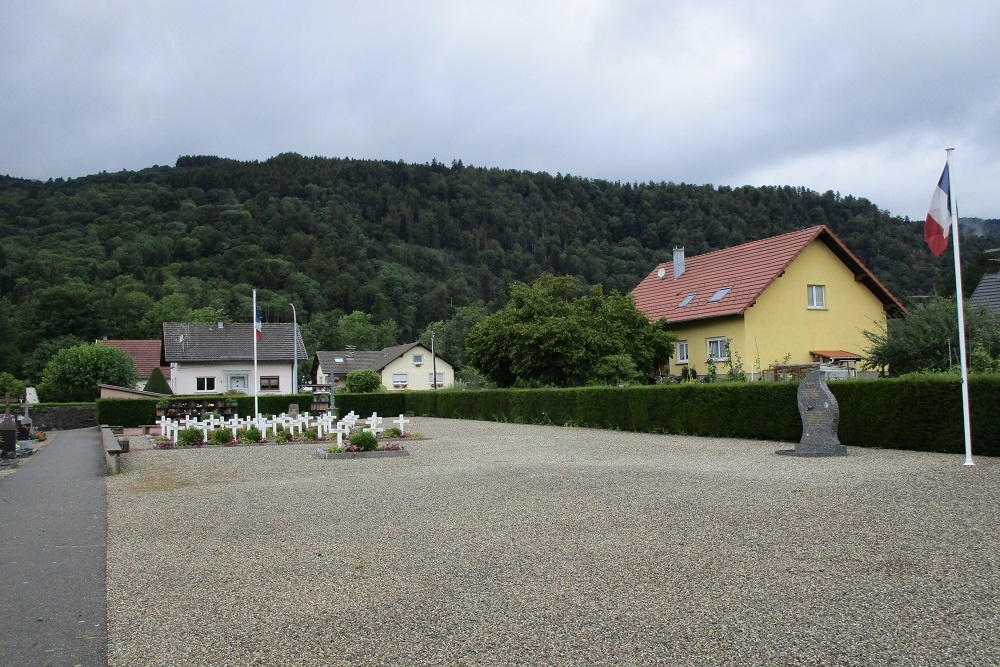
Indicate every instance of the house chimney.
{"type": "Point", "coordinates": [678, 262]}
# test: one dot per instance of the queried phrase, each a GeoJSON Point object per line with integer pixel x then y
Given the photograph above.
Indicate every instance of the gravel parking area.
{"type": "Point", "coordinates": [504, 544]}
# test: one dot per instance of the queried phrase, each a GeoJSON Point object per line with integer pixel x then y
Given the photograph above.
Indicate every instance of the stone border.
{"type": "Point", "coordinates": [377, 454]}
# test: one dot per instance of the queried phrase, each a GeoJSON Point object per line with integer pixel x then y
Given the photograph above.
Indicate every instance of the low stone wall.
{"type": "Point", "coordinates": [63, 417]}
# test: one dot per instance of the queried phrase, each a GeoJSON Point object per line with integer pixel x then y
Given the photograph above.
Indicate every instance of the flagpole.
{"type": "Point", "coordinates": [256, 382]}
{"type": "Point", "coordinates": [953, 212]}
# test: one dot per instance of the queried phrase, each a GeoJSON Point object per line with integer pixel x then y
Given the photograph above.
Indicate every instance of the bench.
{"type": "Point", "coordinates": [114, 444]}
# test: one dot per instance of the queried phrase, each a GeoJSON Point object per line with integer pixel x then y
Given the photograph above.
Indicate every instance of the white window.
{"type": "Point", "coordinates": [816, 296]}
{"type": "Point", "coordinates": [686, 300]}
{"type": "Point", "coordinates": [717, 349]}
{"type": "Point", "coordinates": [682, 351]}
{"type": "Point", "coordinates": [418, 359]}
{"type": "Point", "coordinates": [204, 384]}
{"type": "Point", "coordinates": [400, 379]}
{"type": "Point", "coordinates": [436, 381]}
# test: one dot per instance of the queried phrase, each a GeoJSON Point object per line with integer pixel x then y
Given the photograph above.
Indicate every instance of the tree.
{"type": "Point", "coordinates": [74, 373]}
{"type": "Point", "coordinates": [927, 339]}
{"type": "Point", "coordinates": [450, 335]}
{"type": "Point", "coordinates": [157, 383]}
{"type": "Point", "coordinates": [363, 381]}
{"type": "Point", "coordinates": [357, 329]}
{"type": "Point", "coordinates": [548, 334]}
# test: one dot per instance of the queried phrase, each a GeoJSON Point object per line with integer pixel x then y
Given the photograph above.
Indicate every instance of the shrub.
{"type": "Point", "coordinates": [363, 381]}
{"type": "Point", "coordinates": [282, 436]}
{"type": "Point", "coordinates": [311, 434]}
{"type": "Point", "coordinates": [74, 372]}
{"type": "Point", "coordinates": [251, 434]}
{"type": "Point", "coordinates": [393, 432]}
{"type": "Point", "coordinates": [190, 437]}
{"type": "Point", "coordinates": [157, 383]}
{"type": "Point", "coordinates": [365, 441]}
{"type": "Point", "coordinates": [221, 436]}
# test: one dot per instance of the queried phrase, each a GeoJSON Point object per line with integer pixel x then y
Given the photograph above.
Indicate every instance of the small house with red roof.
{"type": "Point", "coordinates": [145, 354]}
{"type": "Point", "coordinates": [797, 298]}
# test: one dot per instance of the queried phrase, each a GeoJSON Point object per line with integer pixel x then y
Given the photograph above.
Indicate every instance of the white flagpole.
{"type": "Point", "coordinates": [953, 212]}
{"type": "Point", "coordinates": [256, 382]}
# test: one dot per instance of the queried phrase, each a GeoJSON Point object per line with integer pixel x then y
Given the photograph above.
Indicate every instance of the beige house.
{"type": "Point", "coordinates": [409, 366]}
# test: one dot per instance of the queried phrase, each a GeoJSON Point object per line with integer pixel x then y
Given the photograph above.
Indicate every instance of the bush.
{"type": "Point", "coordinates": [363, 381]}
{"type": "Point", "coordinates": [190, 437]}
{"type": "Point", "coordinates": [365, 441]}
{"type": "Point", "coordinates": [221, 436]}
{"type": "Point", "coordinates": [251, 434]}
{"type": "Point", "coordinates": [157, 383]}
{"type": "Point", "coordinates": [311, 434]}
{"type": "Point", "coordinates": [282, 436]}
{"type": "Point", "coordinates": [393, 432]}
{"type": "Point", "coordinates": [74, 372]}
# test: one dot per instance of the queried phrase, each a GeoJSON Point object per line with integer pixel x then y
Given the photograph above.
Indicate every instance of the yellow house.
{"type": "Point", "coordinates": [797, 298]}
{"type": "Point", "coordinates": [409, 366]}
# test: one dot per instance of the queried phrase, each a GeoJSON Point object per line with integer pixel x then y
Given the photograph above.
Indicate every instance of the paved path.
{"type": "Point", "coordinates": [53, 533]}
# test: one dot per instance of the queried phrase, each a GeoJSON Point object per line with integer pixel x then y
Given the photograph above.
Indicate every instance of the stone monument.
{"type": "Point", "coordinates": [820, 418]}
{"type": "Point", "coordinates": [8, 433]}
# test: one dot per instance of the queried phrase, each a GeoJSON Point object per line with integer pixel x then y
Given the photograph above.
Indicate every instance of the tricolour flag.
{"type": "Point", "coordinates": [258, 328]}
{"type": "Point", "coordinates": [938, 224]}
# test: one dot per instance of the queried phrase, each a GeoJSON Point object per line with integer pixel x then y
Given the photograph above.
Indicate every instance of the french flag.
{"type": "Point", "coordinates": [938, 224]}
{"type": "Point", "coordinates": [258, 328]}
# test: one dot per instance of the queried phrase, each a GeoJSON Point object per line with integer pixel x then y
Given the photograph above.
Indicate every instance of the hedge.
{"type": "Point", "coordinates": [133, 412]}
{"type": "Point", "coordinates": [921, 413]}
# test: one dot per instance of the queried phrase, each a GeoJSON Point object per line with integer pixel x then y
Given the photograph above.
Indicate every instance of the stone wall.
{"type": "Point", "coordinates": [63, 417]}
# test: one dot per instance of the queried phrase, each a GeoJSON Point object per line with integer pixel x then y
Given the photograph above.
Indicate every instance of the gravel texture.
{"type": "Point", "coordinates": [504, 544]}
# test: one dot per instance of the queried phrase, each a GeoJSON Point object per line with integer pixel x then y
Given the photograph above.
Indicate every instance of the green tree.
{"type": "Point", "coordinates": [74, 373]}
{"type": "Point", "coordinates": [11, 385]}
{"type": "Point", "coordinates": [549, 334]}
{"type": "Point", "coordinates": [927, 338]}
{"type": "Point", "coordinates": [357, 329]}
{"type": "Point", "coordinates": [363, 381]}
{"type": "Point", "coordinates": [450, 335]}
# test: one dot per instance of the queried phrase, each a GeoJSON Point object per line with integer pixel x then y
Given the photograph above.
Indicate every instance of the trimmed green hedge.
{"type": "Point", "coordinates": [922, 413]}
{"type": "Point", "coordinates": [133, 412]}
{"type": "Point", "coordinates": [127, 412]}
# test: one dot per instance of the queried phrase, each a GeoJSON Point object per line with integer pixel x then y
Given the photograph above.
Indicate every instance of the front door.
{"type": "Point", "coordinates": [238, 382]}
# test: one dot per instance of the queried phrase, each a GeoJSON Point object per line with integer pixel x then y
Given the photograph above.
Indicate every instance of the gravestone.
{"type": "Point", "coordinates": [293, 409]}
{"type": "Point", "coordinates": [8, 433]}
{"type": "Point", "coordinates": [820, 418]}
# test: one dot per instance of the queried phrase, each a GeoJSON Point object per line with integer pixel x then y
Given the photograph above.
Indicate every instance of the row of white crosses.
{"type": "Point", "coordinates": [325, 424]}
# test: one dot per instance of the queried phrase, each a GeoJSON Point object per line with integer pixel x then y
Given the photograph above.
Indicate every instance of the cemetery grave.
{"type": "Point", "coordinates": [287, 427]}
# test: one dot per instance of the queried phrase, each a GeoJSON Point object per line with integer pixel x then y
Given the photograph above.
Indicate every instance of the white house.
{"type": "Point", "coordinates": [409, 366]}
{"type": "Point", "coordinates": [216, 358]}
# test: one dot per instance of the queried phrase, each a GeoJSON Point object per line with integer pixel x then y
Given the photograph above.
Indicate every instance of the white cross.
{"type": "Point", "coordinates": [164, 423]}
{"type": "Point", "coordinates": [402, 422]}
{"type": "Point", "coordinates": [342, 429]}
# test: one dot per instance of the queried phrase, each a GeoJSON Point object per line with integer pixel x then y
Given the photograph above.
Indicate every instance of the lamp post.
{"type": "Point", "coordinates": [434, 364]}
{"type": "Point", "coordinates": [295, 351]}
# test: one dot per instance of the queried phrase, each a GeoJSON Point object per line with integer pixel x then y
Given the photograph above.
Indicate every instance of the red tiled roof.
{"type": "Point", "coordinates": [145, 353]}
{"type": "Point", "coordinates": [746, 269]}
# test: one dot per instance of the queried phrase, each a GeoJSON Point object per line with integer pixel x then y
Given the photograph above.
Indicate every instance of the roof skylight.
{"type": "Point", "coordinates": [721, 293]}
{"type": "Point", "coordinates": [687, 299]}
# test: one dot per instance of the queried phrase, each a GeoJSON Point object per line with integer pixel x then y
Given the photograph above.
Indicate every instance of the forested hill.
{"type": "Point", "coordinates": [116, 254]}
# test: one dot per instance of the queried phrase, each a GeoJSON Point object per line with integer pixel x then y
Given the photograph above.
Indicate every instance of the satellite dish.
{"type": "Point", "coordinates": [662, 272]}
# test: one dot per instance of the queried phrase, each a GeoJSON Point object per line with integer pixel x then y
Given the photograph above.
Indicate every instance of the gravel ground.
{"type": "Point", "coordinates": [502, 544]}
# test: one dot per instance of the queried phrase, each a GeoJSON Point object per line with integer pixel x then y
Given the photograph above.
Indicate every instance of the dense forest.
{"type": "Point", "coordinates": [116, 254]}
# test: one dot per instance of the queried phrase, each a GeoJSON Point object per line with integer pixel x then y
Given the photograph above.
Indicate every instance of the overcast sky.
{"type": "Point", "coordinates": [857, 97]}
